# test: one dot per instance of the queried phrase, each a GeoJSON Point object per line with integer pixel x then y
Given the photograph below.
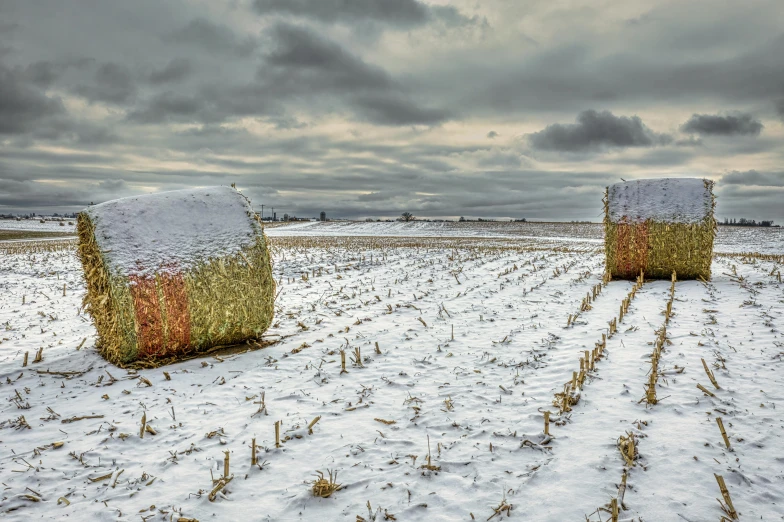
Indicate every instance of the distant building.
{"type": "Point", "coordinates": [323, 216]}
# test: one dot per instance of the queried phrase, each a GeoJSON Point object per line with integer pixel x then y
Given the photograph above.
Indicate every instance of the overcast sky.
{"type": "Point", "coordinates": [492, 108]}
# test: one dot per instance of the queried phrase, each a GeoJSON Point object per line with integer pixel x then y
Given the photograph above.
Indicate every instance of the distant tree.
{"type": "Point", "coordinates": [743, 222]}
{"type": "Point", "coordinates": [407, 216]}
{"type": "Point", "coordinates": [461, 218]}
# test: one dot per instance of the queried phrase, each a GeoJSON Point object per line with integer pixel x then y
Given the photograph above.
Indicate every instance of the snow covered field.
{"type": "Point", "coordinates": [728, 239]}
{"type": "Point", "coordinates": [454, 348]}
{"type": "Point", "coordinates": [68, 225]}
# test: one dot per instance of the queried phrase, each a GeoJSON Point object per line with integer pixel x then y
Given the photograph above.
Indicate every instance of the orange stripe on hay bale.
{"type": "Point", "coordinates": [178, 318]}
{"type": "Point", "coordinates": [149, 320]}
{"type": "Point", "coordinates": [631, 248]}
{"type": "Point", "coordinates": [161, 334]}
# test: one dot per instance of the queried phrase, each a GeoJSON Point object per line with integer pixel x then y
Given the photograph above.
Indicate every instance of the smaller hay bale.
{"type": "Point", "coordinates": [660, 226]}
{"type": "Point", "coordinates": [175, 273]}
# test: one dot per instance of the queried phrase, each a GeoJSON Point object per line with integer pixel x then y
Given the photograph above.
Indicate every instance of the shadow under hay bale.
{"type": "Point", "coordinates": [174, 274]}
{"type": "Point", "coordinates": [660, 226]}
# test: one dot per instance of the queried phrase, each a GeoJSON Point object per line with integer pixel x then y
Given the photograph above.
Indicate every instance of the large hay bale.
{"type": "Point", "coordinates": [175, 273]}
{"type": "Point", "coordinates": [657, 226]}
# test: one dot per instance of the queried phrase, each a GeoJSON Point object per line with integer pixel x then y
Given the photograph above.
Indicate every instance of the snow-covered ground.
{"type": "Point", "coordinates": [728, 239]}
{"type": "Point", "coordinates": [473, 345]}
{"type": "Point", "coordinates": [68, 225]}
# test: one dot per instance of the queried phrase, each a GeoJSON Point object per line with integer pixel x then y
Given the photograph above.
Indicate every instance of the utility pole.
{"type": "Point", "coordinates": [262, 212]}
{"type": "Point", "coordinates": [273, 214]}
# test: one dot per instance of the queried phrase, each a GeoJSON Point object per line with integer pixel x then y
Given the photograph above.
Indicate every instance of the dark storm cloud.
{"type": "Point", "coordinates": [299, 64]}
{"type": "Point", "coordinates": [499, 159]}
{"type": "Point", "coordinates": [251, 99]}
{"type": "Point", "coordinates": [112, 83]}
{"type": "Point", "coordinates": [49, 197]}
{"type": "Point", "coordinates": [595, 130]}
{"type": "Point", "coordinates": [84, 133]}
{"type": "Point", "coordinates": [722, 125]}
{"type": "Point", "coordinates": [755, 178]}
{"type": "Point", "coordinates": [176, 70]}
{"type": "Point", "coordinates": [691, 141]}
{"type": "Point", "coordinates": [567, 75]}
{"type": "Point", "coordinates": [403, 14]}
{"type": "Point", "coordinates": [69, 131]}
{"type": "Point", "coordinates": [657, 157]}
{"type": "Point", "coordinates": [43, 74]}
{"type": "Point", "coordinates": [305, 59]}
{"type": "Point", "coordinates": [56, 159]}
{"type": "Point", "coordinates": [780, 108]}
{"type": "Point", "coordinates": [381, 196]}
{"type": "Point", "coordinates": [492, 134]}
{"type": "Point", "coordinates": [28, 114]}
{"type": "Point", "coordinates": [749, 201]}
{"type": "Point", "coordinates": [211, 104]}
{"type": "Point", "coordinates": [212, 37]}
{"type": "Point", "coordinates": [169, 106]}
{"type": "Point", "coordinates": [8, 27]}
{"type": "Point", "coordinates": [23, 105]}
{"type": "Point", "coordinates": [27, 193]}
{"type": "Point", "coordinates": [392, 109]}
{"type": "Point", "coordinates": [287, 123]}
{"type": "Point", "coordinates": [305, 63]}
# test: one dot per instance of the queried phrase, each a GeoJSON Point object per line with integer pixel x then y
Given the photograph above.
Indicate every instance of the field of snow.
{"type": "Point", "coordinates": [68, 225]}
{"type": "Point", "coordinates": [728, 239]}
{"type": "Point", "coordinates": [455, 347]}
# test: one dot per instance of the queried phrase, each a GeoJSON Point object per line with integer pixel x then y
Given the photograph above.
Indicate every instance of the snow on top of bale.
{"type": "Point", "coordinates": [666, 200]}
{"type": "Point", "coordinates": [172, 231]}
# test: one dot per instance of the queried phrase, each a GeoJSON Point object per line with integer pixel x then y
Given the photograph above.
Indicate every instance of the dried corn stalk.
{"type": "Point", "coordinates": [325, 486]}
